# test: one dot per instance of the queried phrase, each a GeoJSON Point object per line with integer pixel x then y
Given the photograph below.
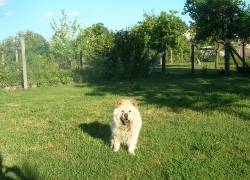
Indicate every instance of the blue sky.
{"type": "Point", "coordinates": [35, 15]}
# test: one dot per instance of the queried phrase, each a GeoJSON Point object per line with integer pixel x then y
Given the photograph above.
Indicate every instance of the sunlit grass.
{"type": "Point", "coordinates": [194, 127]}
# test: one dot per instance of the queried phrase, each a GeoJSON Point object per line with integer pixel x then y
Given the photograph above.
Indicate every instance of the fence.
{"type": "Point", "coordinates": [34, 69]}
{"type": "Point", "coordinates": [247, 52]}
{"type": "Point", "coordinates": [47, 70]}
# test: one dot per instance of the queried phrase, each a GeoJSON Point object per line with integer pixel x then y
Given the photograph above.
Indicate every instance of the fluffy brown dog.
{"type": "Point", "coordinates": [125, 125]}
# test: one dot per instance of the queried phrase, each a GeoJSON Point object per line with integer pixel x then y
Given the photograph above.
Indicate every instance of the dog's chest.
{"type": "Point", "coordinates": [125, 128]}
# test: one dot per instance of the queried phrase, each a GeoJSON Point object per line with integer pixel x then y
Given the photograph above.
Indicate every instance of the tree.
{"type": "Point", "coordinates": [131, 49]}
{"type": "Point", "coordinates": [96, 38]}
{"type": "Point", "coordinates": [133, 46]}
{"type": "Point", "coordinates": [96, 45]}
{"type": "Point", "coordinates": [37, 53]}
{"type": "Point", "coordinates": [36, 49]}
{"type": "Point", "coordinates": [163, 31]}
{"type": "Point", "coordinates": [182, 49]}
{"type": "Point", "coordinates": [63, 42]}
{"type": "Point", "coordinates": [9, 46]}
{"type": "Point", "coordinates": [9, 74]}
{"type": "Point", "coordinates": [219, 20]}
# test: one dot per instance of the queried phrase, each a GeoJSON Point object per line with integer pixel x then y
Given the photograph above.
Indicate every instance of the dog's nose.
{"type": "Point", "coordinates": [126, 115]}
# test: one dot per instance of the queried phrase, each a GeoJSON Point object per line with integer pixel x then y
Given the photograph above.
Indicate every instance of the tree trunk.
{"type": "Point", "coordinates": [217, 57]}
{"type": "Point", "coordinates": [243, 54]}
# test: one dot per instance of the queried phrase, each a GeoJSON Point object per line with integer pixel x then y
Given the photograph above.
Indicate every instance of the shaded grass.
{"type": "Point", "coordinates": [194, 127]}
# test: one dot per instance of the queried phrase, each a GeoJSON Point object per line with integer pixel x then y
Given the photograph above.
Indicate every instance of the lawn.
{"type": "Point", "coordinates": [194, 127]}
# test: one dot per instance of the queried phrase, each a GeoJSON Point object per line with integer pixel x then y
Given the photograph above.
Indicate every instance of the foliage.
{"type": "Point", "coordinates": [94, 39]}
{"type": "Point", "coordinates": [50, 75]}
{"type": "Point", "coordinates": [96, 45]}
{"type": "Point", "coordinates": [10, 77]}
{"type": "Point", "coordinates": [219, 19]}
{"type": "Point", "coordinates": [137, 48]}
{"type": "Point", "coordinates": [63, 42]}
{"type": "Point", "coordinates": [131, 49]}
{"type": "Point", "coordinates": [9, 47]}
{"type": "Point", "coordinates": [106, 54]}
{"type": "Point", "coordinates": [182, 50]}
{"type": "Point", "coordinates": [164, 29]}
{"type": "Point", "coordinates": [165, 32]}
{"type": "Point", "coordinates": [41, 69]}
{"type": "Point", "coordinates": [36, 50]}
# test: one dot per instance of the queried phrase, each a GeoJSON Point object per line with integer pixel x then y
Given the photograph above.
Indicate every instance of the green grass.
{"type": "Point", "coordinates": [194, 127]}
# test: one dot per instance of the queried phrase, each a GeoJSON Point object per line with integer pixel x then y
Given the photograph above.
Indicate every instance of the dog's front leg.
{"type": "Point", "coordinates": [132, 146]}
{"type": "Point", "coordinates": [116, 144]}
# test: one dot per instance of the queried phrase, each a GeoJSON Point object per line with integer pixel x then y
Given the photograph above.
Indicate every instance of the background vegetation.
{"type": "Point", "coordinates": [194, 126]}
{"type": "Point", "coordinates": [126, 53]}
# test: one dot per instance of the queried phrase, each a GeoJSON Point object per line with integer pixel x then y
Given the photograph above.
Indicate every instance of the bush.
{"type": "Point", "coordinates": [43, 82]}
{"type": "Point", "coordinates": [98, 68]}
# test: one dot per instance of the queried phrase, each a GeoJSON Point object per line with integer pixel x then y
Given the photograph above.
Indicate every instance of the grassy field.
{"type": "Point", "coordinates": [194, 127]}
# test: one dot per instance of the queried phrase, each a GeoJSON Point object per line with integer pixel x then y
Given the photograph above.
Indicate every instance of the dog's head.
{"type": "Point", "coordinates": [126, 108]}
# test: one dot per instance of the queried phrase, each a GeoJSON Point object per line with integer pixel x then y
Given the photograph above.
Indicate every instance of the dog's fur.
{"type": "Point", "coordinates": [125, 125]}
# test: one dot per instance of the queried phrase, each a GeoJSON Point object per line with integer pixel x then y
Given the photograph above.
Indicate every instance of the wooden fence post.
{"type": "Point", "coordinates": [16, 56]}
{"type": "Point", "coordinates": [81, 68]}
{"type": "Point", "coordinates": [192, 58]}
{"type": "Point", "coordinates": [227, 46]}
{"type": "Point", "coordinates": [243, 54]}
{"type": "Point", "coordinates": [24, 64]}
{"type": "Point", "coordinates": [163, 66]}
{"type": "Point", "coordinates": [156, 63]}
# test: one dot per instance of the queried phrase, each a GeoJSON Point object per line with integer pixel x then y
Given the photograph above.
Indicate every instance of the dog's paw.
{"type": "Point", "coordinates": [132, 152]}
{"type": "Point", "coordinates": [131, 149]}
{"type": "Point", "coordinates": [116, 147]}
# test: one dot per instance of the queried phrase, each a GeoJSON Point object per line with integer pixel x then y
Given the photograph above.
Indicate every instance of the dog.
{"type": "Point", "coordinates": [125, 125]}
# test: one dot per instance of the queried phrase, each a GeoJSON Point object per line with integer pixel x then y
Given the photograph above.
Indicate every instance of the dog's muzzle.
{"type": "Point", "coordinates": [125, 119]}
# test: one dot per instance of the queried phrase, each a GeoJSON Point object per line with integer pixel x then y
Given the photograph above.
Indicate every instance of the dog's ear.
{"type": "Point", "coordinates": [118, 103]}
{"type": "Point", "coordinates": [134, 103]}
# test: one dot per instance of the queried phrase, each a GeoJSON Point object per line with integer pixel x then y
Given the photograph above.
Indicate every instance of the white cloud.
{"type": "Point", "coordinates": [2, 2]}
{"type": "Point", "coordinates": [7, 14]}
{"type": "Point", "coordinates": [74, 13]}
{"type": "Point", "coordinates": [49, 14]}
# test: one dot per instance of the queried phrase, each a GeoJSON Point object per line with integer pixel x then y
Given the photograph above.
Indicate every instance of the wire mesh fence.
{"type": "Point", "coordinates": [29, 68]}
{"type": "Point", "coordinates": [43, 68]}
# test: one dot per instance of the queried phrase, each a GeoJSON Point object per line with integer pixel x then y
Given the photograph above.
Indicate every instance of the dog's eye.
{"type": "Point", "coordinates": [129, 111]}
{"type": "Point", "coordinates": [122, 111]}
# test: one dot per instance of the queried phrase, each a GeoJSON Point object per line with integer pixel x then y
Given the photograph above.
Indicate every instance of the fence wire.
{"type": "Point", "coordinates": [46, 69]}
